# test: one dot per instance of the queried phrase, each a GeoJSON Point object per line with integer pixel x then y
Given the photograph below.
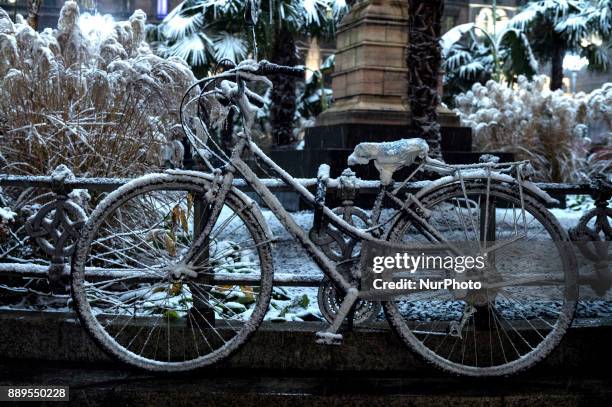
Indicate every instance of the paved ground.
{"type": "Point", "coordinates": [98, 386]}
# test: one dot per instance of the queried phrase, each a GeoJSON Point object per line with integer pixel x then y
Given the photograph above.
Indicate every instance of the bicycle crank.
{"type": "Point", "coordinates": [330, 300]}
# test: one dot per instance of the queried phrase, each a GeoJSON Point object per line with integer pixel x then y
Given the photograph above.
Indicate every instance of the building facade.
{"type": "Point", "coordinates": [120, 9]}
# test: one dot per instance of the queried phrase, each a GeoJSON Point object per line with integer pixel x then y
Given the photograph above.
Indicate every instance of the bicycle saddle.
{"type": "Point", "coordinates": [389, 156]}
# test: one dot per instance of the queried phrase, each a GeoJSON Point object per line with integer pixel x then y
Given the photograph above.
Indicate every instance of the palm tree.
{"type": "Point", "coordinates": [283, 108]}
{"type": "Point", "coordinates": [471, 54]}
{"type": "Point", "coordinates": [423, 60]}
{"type": "Point", "coordinates": [555, 27]}
{"type": "Point", "coordinates": [203, 32]}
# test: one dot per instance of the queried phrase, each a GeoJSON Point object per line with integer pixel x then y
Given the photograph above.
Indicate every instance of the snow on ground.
{"type": "Point", "coordinates": [567, 218]}
{"type": "Point", "coordinates": [289, 257]}
{"type": "Point", "coordinates": [7, 215]}
{"type": "Point", "coordinates": [577, 205]}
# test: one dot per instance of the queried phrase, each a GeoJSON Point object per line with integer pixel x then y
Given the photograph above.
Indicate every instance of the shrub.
{"type": "Point", "coordinates": [89, 94]}
{"type": "Point", "coordinates": [565, 136]}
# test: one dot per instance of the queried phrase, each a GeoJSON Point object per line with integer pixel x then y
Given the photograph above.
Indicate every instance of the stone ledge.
{"type": "Point", "coordinates": [103, 387]}
{"type": "Point", "coordinates": [290, 347]}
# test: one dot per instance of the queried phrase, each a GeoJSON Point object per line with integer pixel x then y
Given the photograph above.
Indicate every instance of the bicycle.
{"type": "Point", "coordinates": [174, 271]}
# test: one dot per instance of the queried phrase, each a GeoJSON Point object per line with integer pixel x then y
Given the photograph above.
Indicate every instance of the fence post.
{"type": "Point", "coordinates": [56, 228]}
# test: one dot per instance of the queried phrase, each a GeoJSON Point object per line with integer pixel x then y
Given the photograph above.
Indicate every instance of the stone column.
{"type": "Point", "coordinates": [369, 76]}
{"type": "Point", "coordinates": [369, 80]}
{"type": "Point", "coordinates": [370, 92]}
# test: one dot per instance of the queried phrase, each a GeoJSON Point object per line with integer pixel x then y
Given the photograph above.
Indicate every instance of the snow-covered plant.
{"type": "Point", "coordinates": [204, 32]}
{"type": "Point", "coordinates": [89, 94]}
{"type": "Point", "coordinates": [554, 28]}
{"type": "Point", "coordinates": [314, 97]}
{"type": "Point", "coordinates": [293, 305]}
{"type": "Point", "coordinates": [555, 131]}
{"type": "Point", "coordinates": [471, 54]}
{"type": "Point", "coordinates": [599, 109]}
{"type": "Point", "coordinates": [6, 216]}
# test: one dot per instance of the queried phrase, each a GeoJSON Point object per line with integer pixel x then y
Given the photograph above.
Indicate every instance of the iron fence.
{"type": "Point", "coordinates": [54, 228]}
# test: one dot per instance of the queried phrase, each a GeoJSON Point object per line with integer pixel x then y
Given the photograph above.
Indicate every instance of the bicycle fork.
{"type": "Point", "coordinates": [222, 183]}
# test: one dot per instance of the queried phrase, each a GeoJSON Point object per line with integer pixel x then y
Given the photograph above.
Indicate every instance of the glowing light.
{"type": "Point", "coordinates": [313, 57]}
{"type": "Point", "coordinates": [574, 63]}
{"type": "Point", "coordinates": [162, 8]}
{"type": "Point", "coordinates": [593, 39]}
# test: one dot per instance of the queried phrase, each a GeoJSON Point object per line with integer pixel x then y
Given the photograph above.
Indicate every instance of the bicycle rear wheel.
{"type": "Point", "coordinates": [139, 298]}
{"type": "Point", "coordinates": [529, 287]}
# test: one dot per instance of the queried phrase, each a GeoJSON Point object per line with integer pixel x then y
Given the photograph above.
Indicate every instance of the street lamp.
{"type": "Point", "coordinates": [574, 63]}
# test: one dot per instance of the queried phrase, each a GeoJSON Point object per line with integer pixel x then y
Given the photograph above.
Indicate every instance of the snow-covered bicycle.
{"type": "Point", "coordinates": [174, 271]}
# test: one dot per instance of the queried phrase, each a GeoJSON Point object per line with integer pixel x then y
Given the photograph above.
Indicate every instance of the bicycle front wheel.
{"type": "Point", "coordinates": [139, 296]}
{"type": "Point", "coordinates": [529, 284]}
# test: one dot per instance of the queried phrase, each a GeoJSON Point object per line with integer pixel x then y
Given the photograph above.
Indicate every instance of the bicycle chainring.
{"type": "Point", "coordinates": [330, 299]}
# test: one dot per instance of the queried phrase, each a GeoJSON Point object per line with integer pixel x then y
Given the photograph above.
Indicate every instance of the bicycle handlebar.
{"type": "Point", "coordinates": [265, 68]}
{"type": "Point", "coordinates": [269, 68]}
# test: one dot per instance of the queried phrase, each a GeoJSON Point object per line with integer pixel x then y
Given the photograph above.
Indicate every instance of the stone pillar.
{"type": "Point", "coordinates": [369, 76]}
{"type": "Point", "coordinates": [369, 80]}
{"type": "Point", "coordinates": [370, 92]}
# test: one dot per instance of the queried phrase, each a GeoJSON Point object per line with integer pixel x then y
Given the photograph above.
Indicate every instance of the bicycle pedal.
{"type": "Point", "coordinates": [328, 338]}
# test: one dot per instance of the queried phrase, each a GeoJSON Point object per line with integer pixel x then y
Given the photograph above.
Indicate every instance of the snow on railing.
{"type": "Point", "coordinates": [364, 186]}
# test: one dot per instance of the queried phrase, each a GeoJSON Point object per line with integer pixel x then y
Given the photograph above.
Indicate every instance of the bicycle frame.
{"type": "Point", "coordinates": [237, 164]}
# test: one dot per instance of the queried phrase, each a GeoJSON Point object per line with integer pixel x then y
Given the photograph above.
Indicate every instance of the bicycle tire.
{"type": "Point", "coordinates": [235, 200]}
{"type": "Point", "coordinates": [536, 209]}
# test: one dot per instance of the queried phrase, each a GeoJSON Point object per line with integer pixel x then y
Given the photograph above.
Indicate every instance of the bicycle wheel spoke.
{"type": "Point", "coordinates": [161, 309]}
{"type": "Point", "coordinates": [522, 294]}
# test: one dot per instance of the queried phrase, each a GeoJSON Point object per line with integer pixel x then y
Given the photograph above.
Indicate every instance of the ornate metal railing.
{"type": "Point", "coordinates": [55, 226]}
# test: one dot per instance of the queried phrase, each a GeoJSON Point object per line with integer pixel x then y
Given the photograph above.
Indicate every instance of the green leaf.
{"type": "Point", "coordinates": [516, 54]}
{"type": "Point", "coordinates": [304, 301]}
{"type": "Point", "coordinates": [279, 293]}
{"type": "Point", "coordinates": [171, 314]}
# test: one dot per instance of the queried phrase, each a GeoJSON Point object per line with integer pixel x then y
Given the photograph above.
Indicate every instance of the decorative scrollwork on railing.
{"type": "Point", "coordinates": [336, 245]}
{"type": "Point", "coordinates": [593, 236]}
{"type": "Point", "coordinates": [56, 227]}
